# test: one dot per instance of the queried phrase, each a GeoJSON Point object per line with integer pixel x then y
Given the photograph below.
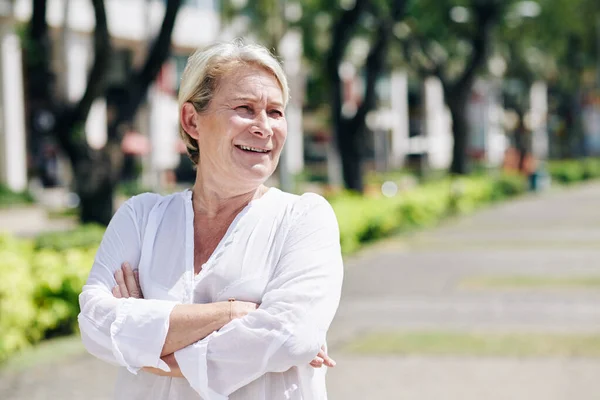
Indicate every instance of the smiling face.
{"type": "Point", "coordinates": [241, 133]}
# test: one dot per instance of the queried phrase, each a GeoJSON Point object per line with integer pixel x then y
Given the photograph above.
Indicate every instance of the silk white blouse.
{"type": "Point", "coordinates": [281, 251]}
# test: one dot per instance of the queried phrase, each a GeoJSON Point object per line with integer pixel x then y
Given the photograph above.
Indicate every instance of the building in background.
{"type": "Point", "coordinates": [132, 25]}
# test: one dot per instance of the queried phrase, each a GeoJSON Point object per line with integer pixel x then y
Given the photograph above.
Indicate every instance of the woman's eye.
{"type": "Point", "coordinates": [244, 108]}
{"type": "Point", "coordinates": [276, 113]}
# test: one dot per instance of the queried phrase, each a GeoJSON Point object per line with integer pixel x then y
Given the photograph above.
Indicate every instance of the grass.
{"type": "Point", "coordinates": [46, 352]}
{"type": "Point", "coordinates": [477, 344]}
{"type": "Point", "coordinates": [64, 213]}
{"type": "Point", "coordinates": [8, 198]}
{"type": "Point", "coordinates": [531, 282]}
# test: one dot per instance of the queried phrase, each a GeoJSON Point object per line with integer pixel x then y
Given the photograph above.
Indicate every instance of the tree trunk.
{"type": "Point", "coordinates": [351, 157]}
{"type": "Point", "coordinates": [341, 35]}
{"type": "Point", "coordinates": [349, 133]}
{"type": "Point", "coordinates": [96, 177]}
{"type": "Point", "coordinates": [457, 93]}
{"type": "Point", "coordinates": [460, 133]}
{"type": "Point", "coordinates": [97, 206]}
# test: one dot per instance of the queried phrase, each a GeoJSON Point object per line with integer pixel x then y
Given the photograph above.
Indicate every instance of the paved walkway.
{"type": "Point", "coordinates": [415, 283]}
{"type": "Point", "coordinates": [28, 221]}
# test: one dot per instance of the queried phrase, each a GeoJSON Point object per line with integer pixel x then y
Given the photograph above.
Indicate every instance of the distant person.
{"type": "Point", "coordinates": [227, 289]}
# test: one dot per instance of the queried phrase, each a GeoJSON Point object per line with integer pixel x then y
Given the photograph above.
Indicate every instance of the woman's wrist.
{"type": "Point", "coordinates": [226, 312]}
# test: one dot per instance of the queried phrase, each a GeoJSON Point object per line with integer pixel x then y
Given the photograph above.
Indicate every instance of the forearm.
{"type": "Point", "coordinates": [189, 323]}
{"type": "Point", "coordinates": [129, 332]}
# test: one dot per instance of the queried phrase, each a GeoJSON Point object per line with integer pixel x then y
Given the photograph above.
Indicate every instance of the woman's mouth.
{"type": "Point", "coordinates": [252, 149]}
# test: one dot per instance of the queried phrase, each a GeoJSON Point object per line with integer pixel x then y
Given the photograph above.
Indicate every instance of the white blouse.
{"type": "Point", "coordinates": [281, 251]}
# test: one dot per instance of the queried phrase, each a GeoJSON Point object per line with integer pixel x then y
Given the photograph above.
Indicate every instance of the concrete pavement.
{"type": "Point", "coordinates": [415, 284]}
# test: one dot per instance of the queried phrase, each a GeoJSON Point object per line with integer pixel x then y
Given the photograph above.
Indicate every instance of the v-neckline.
{"type": "Point", "coordinates": [225, 240]}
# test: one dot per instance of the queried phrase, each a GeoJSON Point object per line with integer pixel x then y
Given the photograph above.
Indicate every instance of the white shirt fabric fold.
{"type": "Point", "coordinates": [281, 251]}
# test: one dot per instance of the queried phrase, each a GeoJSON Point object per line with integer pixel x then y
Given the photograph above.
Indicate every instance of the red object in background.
{"type": "Point", "coordinates": [180, 147]}
{"type": "Point", "coordinates": [476, 154]}
{"type": "Point", "coordinates": [165, 81]}
{"type": "Point", "coordinates": [321, 136]}
{"type": "Point", "coordinates": [135, 143]}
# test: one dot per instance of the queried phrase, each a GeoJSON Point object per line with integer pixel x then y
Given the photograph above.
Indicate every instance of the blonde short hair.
{"type": "Point", "coordinates": [205, 69]}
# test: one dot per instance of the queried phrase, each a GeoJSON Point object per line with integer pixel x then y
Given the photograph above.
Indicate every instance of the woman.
{"type": "Point", "coordinates": [240, 281]}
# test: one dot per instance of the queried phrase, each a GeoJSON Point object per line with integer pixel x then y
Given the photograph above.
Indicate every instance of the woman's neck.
{"type": "Point", "coordinates": [213, 199]}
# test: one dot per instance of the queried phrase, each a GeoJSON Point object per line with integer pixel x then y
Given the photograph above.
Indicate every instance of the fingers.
{"type": "Point", "coordinates": [317, 362]}
{"type": "Point", "coordinates": [128, 283]}
{"type": "Point", "coordinates": [133, 288]}
{"type": "Point", "coordinates": [330, 362]}
{"type": "Point", "coordinates": [323, 358]}
{"type": "Point", "coordinates": [120, 278]}
{"type": "Point", "coordinates": [136, 276]}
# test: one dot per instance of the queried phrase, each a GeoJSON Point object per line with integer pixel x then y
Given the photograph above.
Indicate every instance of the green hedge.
{"type": "Point", "coordinates": [572, 171]}
{"type": "Point", "coordinates": [40, 285]}
{"type": "Point", "coordinates": [363, 219]}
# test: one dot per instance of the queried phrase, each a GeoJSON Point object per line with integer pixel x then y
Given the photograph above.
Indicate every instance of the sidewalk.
{"type": "Point", "coordinates": [415, 284]}
{"type": "Point", "coordinates": [28, 221]}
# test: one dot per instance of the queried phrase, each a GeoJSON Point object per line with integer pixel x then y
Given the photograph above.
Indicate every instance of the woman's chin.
{"type": "Point", "coordinates": [256, 173]}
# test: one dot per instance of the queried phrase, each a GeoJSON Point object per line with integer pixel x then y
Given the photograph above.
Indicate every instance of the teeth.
{"type": "Point", "coordinates": [252, 149]}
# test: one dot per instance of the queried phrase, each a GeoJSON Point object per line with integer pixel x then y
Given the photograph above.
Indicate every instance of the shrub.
{"type": "Point", "coordinates": [40, 285]}
{"type": "Point", "coordinates": [591, 168]}
{"type": "Point", "coordinates": [566, 172]}
{"type": "Point", "coordinates": [572, 171]}
{"type": "Point", "coordinates": [84, 236]}
{"type": "Point", "coordinates": [507, 185]}
{"type": "Point", "coordinates": [364, 219]}
{"type": "Point", "coordinates": [17, 308]}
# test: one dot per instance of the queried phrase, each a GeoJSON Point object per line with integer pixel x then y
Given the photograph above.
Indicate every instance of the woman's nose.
{"type": "Point", "coordinates": [261, 126]}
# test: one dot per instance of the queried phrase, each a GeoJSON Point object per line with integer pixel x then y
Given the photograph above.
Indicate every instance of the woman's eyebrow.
{"type": "Point", "coordinates": [252, 99]}
{"type": "Point", "coordinates": [245, 99]}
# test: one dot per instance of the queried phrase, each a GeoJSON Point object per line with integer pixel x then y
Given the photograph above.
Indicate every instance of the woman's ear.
{"type": "Point", "coordinates": [189, 120]}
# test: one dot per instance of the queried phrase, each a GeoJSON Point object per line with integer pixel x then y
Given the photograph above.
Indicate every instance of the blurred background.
{"type": "Point", "coordinates": [457, 140]}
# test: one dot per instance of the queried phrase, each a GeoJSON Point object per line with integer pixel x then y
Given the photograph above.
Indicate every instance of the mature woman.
{"type": "Point", "coordinates": [240, 282]}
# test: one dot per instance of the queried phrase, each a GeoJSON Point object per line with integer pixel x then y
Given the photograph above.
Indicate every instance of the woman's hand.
{"type": "Point", "coordinates": [128, 283]}
{"type": "Point", "coordinates": [172, 363]}
{"type": "Point", "coordinates": [322, 358]}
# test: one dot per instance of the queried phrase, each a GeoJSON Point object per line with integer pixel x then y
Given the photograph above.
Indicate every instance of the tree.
{"type": "Point", "coordinates": [96, 172]}
{"type": "Point", "coordinates": [454, 52]}
{"type": "Point", "coordinates": [559, 46]}
{"type": "Point", "coordinates": [568, 33]}
{"type": "Point", "coordinates": [266, 19]}
{"type": "Point", "coordinates": [349, 131]}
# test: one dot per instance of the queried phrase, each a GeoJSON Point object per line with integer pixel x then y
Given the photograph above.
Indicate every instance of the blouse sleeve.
{"type": "Point", "coordinates": [116, 330]}
{"type": "Point", "coordinates": [290, 325]}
